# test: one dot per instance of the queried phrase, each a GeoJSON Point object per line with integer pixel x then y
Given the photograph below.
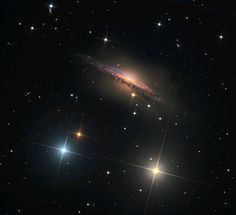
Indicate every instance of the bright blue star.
{"type": "Point", "coordinates": [63, 150]}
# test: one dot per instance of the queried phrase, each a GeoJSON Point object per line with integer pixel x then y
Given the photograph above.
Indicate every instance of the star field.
{"type": "Point", "coordinates": [76, 141]}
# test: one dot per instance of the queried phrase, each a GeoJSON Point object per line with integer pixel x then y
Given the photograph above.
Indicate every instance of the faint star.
{"type": "Point", "coordinates": [105, 39]}
{"type": "Point", "coordinates": [221, 37]}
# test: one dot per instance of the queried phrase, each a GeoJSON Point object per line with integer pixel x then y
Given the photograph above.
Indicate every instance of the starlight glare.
{"type": "Point", "coordinates": [78, 134]}
{"type": "Point", "coordinates": [155, 171]}
{"type": "Point", "coordinates": [63, 150]}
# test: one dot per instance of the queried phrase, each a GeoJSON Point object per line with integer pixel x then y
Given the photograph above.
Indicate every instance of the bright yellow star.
{"type": "Point", "coordinates": [155, 171]}
{"type": "Point", "coordinates": [79, 134]}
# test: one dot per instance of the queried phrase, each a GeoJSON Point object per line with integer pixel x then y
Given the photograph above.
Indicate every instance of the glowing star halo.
{"type": "Point", "coordinates": [63, 150]}
{"type": "Point", "coordinates": [155, 171]}
{"type": "Point", "coordinates": [79, 134]}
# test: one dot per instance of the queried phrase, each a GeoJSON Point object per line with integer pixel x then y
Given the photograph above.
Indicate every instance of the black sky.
{"type": "Point", "coordinates": [48, 94]}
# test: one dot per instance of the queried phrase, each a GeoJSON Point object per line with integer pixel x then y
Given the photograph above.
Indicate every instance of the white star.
{"type": "Point", "coordinates": [105, 39]}
{"type": "Point", "coordinates": [50, 7]}
{"type": "Point", "coordinates": [221, 37]}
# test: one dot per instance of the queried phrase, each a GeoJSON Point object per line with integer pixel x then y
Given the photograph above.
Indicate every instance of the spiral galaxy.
{"type": "Point", "coordinates": [123, 77]}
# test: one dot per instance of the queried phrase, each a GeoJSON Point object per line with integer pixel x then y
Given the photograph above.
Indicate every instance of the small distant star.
{"type": "Point", "coordinates": [133, 94]}
{"type": "Point", "coordinates": [108, 172]}
{"type": "Point", "coordinates": [105, 39]}
{"type": "Point", "coordinates": [50, 7]}
{"type": "Point", "coordinates": [32, 28]}
{"type": "Point", "coordinates": [134, 113]}
{"type": "Point", "coordinates": [159, 24]}
{"type": "Point", "coordinates": [221, 37]}
{"type": "Point", "coordinates": [148, 105]}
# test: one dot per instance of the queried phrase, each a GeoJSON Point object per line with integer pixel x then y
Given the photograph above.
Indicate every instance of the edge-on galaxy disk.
{"type": "Point", "coordinates": [123, 77]}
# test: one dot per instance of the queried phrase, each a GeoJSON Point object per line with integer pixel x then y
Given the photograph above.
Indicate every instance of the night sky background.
{"type": "Point", "coordinates": [48, 94]}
